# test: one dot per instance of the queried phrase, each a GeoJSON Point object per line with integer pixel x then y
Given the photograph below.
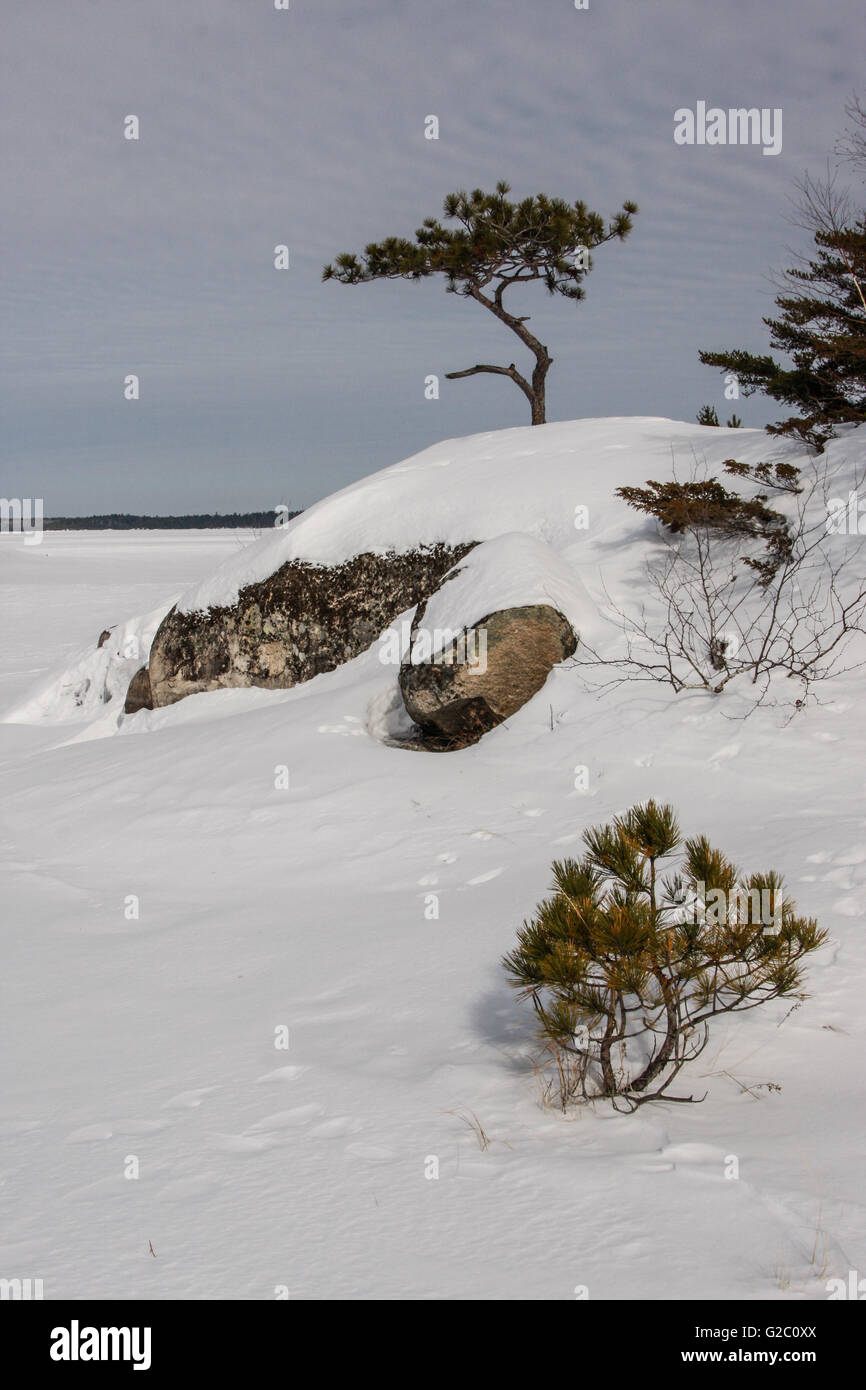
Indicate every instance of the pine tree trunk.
{"type": "Point", "coordinates": [668, 1047]}
{"type": "Point", "coordinates": [607, 1072]}
{"type": "Point", "coordinates": [670, 1000]}
{"type": "Point", "coordinates": [534, 392]}
{"type": "Point", "coordinates": [539, 381]}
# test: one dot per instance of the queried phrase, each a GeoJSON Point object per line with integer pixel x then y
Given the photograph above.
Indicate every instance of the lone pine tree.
{"type": "Point", "coordinates": [495, 245]}
{"type": "Point", "coordinates": [626, 970]}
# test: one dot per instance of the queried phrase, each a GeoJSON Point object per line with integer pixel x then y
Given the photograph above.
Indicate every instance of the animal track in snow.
{"type": "Point", "coordinates": [189, 1100]}
{"type": "Point", "coordinates": [180, 1189]}
{"type": "Point", "coordinates": [133, 1128]}
{"type": "Point", "coordinates": [245, 1143]}
{"type": "Point", "coordinates": [848, 907]}
{"type": "Point", "coordinates": [19, 1126]}
{"type": "Point", "coordinates": [730, 750]}
{"type": "Point", "coordinates": [334, 1128]}
{"type": "Point", "coordinates": [371, 1153]}
{"type": "Point", "coordinates": [484, 878]}
{"type": "Point", "coordinates": [702, 1159]}
{"type": "Point", "coordinates": [266, 1133]}
{"type": "Point", "coordinates": [89, 1134]}
{"type": "Point", "coordinates": [333, 1015]}
{"type": "Point", "coordinates": [287, 1119]}
{"type": "Point", "coordinates": [281, 1074]}
{"type": "Point", "coordinates": [838, 874]}
{"type": "Point", "coordinates": [694, 1153]}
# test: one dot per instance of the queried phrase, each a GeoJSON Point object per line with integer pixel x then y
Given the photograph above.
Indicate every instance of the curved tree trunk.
{"type": "Point", "coordinates": [533, 390]}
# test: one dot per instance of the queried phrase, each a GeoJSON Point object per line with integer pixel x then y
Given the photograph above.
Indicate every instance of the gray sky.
{"type": "Point", "coordinates": [306, 127]}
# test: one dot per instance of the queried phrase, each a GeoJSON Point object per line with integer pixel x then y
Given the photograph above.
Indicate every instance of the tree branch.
{"type": "Point", "coordinates": [509, 371]}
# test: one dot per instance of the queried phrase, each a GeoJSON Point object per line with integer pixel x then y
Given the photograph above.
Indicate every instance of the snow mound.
{"type": "Point", "coordinates": [532, 479]}
{"type": "Point", "coordinates": [539, 500]}
{"type": "Point", "coordinates": [97, 681]}
{"type": "Point", "coordinates": [511, 571]}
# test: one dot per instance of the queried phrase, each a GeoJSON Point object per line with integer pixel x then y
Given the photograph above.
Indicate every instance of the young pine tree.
{"type": "Point", "coordinates": [625, 969]}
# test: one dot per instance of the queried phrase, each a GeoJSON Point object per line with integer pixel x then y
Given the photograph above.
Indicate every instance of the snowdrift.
{"type": "Point", "coordinates": [254, 948]}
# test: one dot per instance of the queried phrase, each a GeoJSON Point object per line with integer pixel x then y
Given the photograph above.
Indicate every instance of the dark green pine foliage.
{"type": "Point", "coordinates": [822, 330]}
{"type": "Point", "coordinates": [625, 969]}
{"type": "Point", "coordinates": [494, 245]}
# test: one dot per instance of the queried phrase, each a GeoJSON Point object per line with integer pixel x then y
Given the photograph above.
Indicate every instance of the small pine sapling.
{"type": "Point", "coordinates": [626, 970]}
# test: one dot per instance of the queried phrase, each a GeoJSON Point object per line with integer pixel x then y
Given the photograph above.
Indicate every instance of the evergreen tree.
{"type": "Point", "coordinates": [708, 415]}
{"type": "Point", "coordinates": [626, 970]}
{"type": "Point", "coordinates": [496, 244]}
{"type": "Point", "coordinates": [821, 328]}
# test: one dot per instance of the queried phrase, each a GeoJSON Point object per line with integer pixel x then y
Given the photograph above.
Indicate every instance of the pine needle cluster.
{"type": "Point", "coordinates": [625, 969]}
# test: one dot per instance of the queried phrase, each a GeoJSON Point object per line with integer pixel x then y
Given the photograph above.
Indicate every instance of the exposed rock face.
{"type": "Point", "coordinates": [303, 620]}
{"type": "Point", "coordinates": [485, 675]}
{"type": "Point", "coordinates": [138, 695]}
{"type": "Point", "coordinates": [103, 637]}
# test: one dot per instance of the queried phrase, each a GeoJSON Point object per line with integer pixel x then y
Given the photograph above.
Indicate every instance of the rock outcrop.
{"type": "Point", "coordinates": [138, 695]}
{"type": "Point", "coordinates": [303, 620]}
{"type": "Point", "coordinates": [484, 675]}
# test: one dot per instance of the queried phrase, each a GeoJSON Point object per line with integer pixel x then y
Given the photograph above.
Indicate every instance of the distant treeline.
{"type": "Point", "coordinates": [125, 521]}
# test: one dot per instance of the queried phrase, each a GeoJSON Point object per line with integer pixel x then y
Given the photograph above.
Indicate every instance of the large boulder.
{"type": "Point", "coordinates": [302, 620]}
{"type": "Point", "coordinates": [471, 684]}
{"type": "Point", "coordinates": [485, 642]}
{"type": "Point", "coordinates": [138, 694]}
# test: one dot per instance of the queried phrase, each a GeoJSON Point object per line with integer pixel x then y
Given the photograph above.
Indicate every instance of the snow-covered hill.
{"type": "Point", "coordinates": [173, 911]}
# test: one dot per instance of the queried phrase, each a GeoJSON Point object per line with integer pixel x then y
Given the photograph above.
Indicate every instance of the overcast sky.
{"type": "Point", "coordinates": [306, 127]}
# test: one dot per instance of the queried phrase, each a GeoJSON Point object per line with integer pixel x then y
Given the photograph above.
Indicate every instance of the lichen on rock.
{"type": "Point", "coordinates": [299, 622]}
